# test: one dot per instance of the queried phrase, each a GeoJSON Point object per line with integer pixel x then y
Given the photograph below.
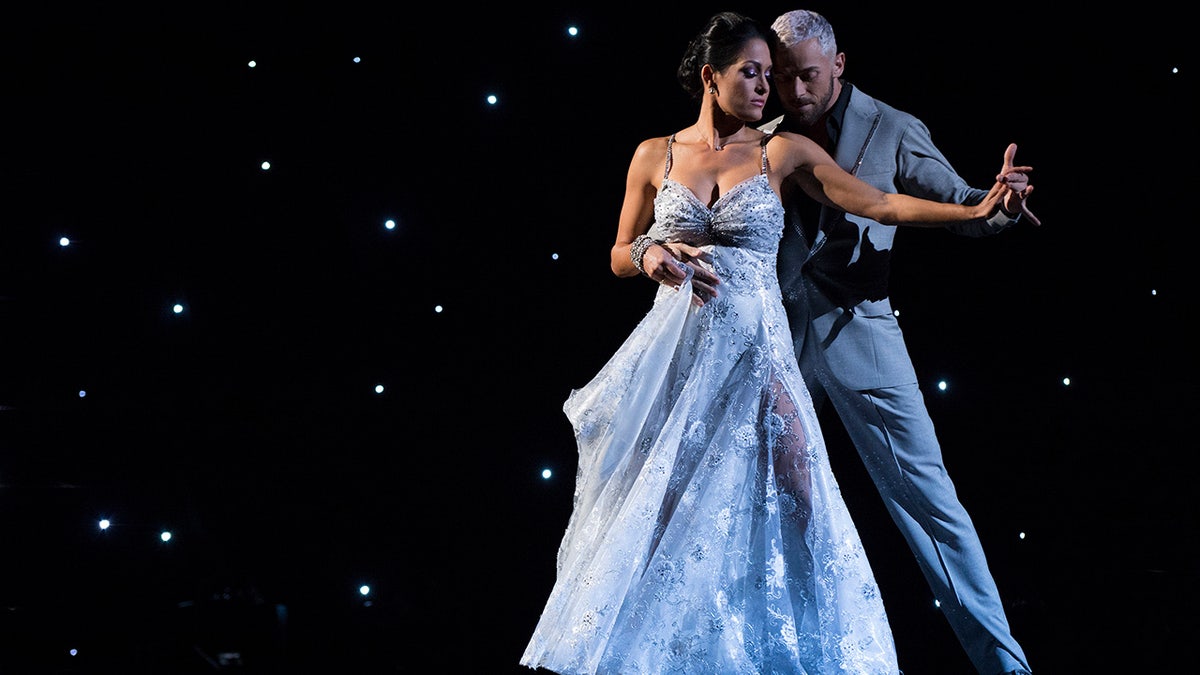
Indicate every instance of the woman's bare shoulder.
{"type": "Point", "coordinates": [794, 151]}
{"type": "Point", "coordinates": [652, 147]}
{"type": "Point", "coordinates": [649, 155]}
{"type": "Point", "coordinates": [791, 138]}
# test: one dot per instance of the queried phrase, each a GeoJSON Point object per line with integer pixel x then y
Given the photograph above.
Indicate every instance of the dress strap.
{"type": "Point", "coordinates": [671, 141]}
{"type": "Point", "coordinates": [667, 168]}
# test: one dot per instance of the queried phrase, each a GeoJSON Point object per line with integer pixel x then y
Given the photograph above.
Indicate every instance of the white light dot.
{"type": "Point", "coordinates": [1175, 69]}
{"type": "Point", "coordinates": [105, 523]}
{"type": "Point", "coordinates": [492, 100]}
{"type": "Point", "coordinates": [364, 590]}
{"type": "Point", "coordinates": [82, 393]}
{"type": "Point", "coordinates": [357, 60]}
{"type": "Point", "coordinates": [165, 536]}
{"type": "Point", "coordinates": [895, 312]}
{"type": "Point", "coordinates": [73, 652]}
{"type": "Point", "coordinates": [379, 389]}
{"type": "Point", "coordinates": [1153, 291]}
{"type": "Point", "coordinates": [554, 256]}
{"type": "Point", "coordinates": [1021, 535]}
{"type": "Point", "coordinates": [252, 63]}
{"type": "Point", "coordinates": [63, 241]}
{"type": "Point", "coordinates": [389, 224]}
{"type": "Point", "coordinates": [1066, 381]}
{"type": "Point", "coordinates": [572, 30]}
{"type": "Point", "coordinates": [177, 308]}
{"type": "Point", "coordinates": [937, 603]}
{"type": "Point", "coordinates": [438, 309]}
{"type": "Point", "coordinates": [266, 166]}
{"type": "Point", "coordinates": [546, 473]}
{"type": "Point", "coordinates": [942, 385]}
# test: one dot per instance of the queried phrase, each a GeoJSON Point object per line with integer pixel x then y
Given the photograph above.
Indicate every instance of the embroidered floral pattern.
{"type": "Point", "coordinates": [708, 534]}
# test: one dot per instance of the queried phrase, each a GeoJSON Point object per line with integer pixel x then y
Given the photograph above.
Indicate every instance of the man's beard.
{"type": "Point", "coordinates": [812, 114]}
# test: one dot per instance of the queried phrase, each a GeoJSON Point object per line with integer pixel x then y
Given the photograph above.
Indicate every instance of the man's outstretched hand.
{"type": "Point", "coordinates": [1016, 178]}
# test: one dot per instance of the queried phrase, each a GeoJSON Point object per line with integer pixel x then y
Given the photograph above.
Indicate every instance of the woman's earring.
{"type": "Point", "coordinates": [712, 89]}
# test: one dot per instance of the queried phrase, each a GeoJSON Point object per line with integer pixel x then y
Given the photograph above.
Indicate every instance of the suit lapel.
{"type": "Point", "coordinates": [858, 128]}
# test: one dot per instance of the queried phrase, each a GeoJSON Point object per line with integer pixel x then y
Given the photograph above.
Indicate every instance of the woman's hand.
{"type": "Point", "coordinates": [992, 201]}
{"type": "Point", "coordinates": [672, 262]}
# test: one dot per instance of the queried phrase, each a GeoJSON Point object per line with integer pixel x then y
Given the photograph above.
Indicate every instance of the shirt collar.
{"type": "Point", "coordinates": [837, 114]}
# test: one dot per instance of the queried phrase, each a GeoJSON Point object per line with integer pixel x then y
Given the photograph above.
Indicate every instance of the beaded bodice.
{"type": "Point", "coordinates": [749, 215]}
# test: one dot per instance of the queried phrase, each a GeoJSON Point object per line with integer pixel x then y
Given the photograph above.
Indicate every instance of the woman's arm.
{"type": "Point", "coordinates": [637, 210]}
{"type": "Point", "coordinates": [825, 181]}
{"type": "Point", "coordinates": [664, 263]}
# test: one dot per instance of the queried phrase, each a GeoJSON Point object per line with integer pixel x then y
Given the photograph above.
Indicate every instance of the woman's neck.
{"type": "Point", "coordinates": [716, 128]}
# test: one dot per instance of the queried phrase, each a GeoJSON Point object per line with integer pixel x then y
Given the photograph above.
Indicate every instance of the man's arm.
{"type": "Point", "coordinates": [922, 170]}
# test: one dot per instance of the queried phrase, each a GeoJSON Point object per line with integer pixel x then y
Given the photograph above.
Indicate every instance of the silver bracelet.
{"type": "Point", "coordinates": [637, 250]}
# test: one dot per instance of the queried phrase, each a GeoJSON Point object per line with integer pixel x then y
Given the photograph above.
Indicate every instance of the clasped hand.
{"type": "Point", "coordinates": [1015, 181]}
{"type": "Point", "coordinates": [670, 264]}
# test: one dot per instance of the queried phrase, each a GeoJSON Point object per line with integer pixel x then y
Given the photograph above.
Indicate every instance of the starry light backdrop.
{"type": "Point", "coordinates": [292, 294]}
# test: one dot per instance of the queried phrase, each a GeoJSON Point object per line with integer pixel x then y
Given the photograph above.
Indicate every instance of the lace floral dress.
{"type": "Point", "coordinates": [708, 534]}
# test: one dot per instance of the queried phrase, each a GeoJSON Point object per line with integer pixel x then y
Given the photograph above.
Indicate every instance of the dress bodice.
{"type": "Point", "coordinates": [741, 230]}
{"type": "Point", "coordinates": [749, 215]}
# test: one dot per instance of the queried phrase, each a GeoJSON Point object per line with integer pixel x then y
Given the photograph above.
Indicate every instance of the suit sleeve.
{"type": "Point", "coordinates": [923, 171]}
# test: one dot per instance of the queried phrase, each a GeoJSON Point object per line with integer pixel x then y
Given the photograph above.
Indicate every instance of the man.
{"type": "Point", "coordinates": [833, 269]}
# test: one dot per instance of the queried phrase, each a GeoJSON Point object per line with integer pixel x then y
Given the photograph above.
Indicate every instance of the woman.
{"type": "Point", "coordinates": [708, 533]}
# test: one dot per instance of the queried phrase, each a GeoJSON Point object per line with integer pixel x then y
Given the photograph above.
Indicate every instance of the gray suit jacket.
{"type": "Point", "coordinates": [835, 289]}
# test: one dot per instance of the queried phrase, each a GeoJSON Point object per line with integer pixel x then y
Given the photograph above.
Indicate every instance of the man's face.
{"type": "Point", "coordinates": [805, 79]}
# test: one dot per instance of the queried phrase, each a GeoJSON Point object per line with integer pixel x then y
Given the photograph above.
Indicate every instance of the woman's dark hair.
{"type": "Point", "coordinates": [719, 44]}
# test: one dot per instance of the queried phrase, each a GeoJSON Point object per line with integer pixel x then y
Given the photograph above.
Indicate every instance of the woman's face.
{"type": "Point", "coordinates": [743, 86]}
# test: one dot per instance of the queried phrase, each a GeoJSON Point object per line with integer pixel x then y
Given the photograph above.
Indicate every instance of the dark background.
{"type": "Point", "coordinates": [249, 426]}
